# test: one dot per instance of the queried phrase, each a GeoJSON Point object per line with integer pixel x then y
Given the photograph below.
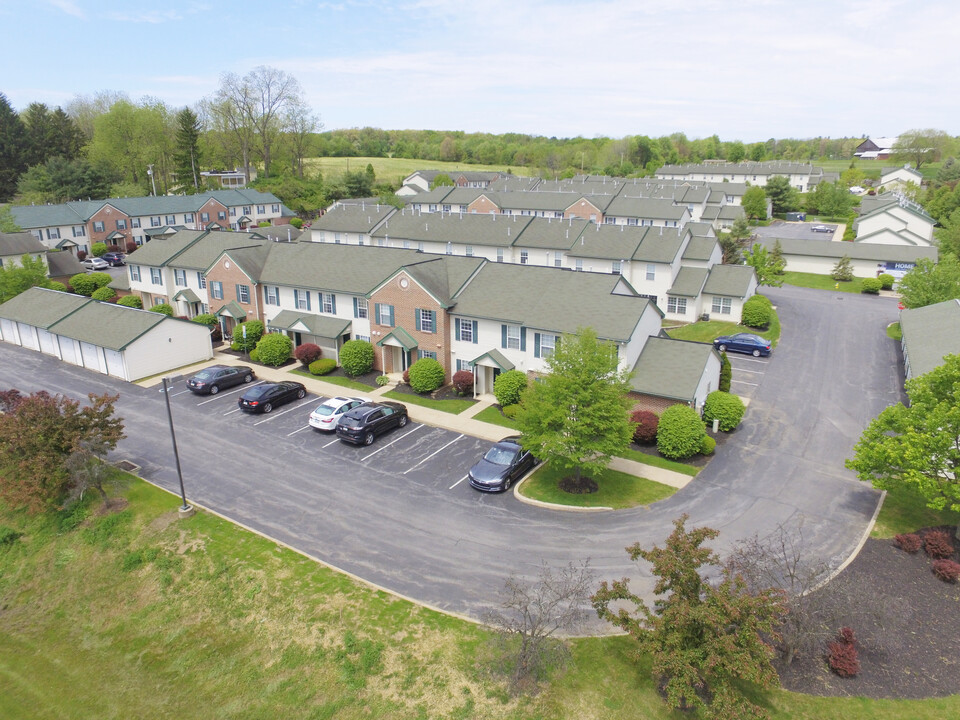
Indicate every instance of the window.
{"type": "Point", "coordinates": [221, 215]}
{"type": "Point", "coordinates": [511, 334]}
{"type": "Point", "coordinates": [180, 278]}
{"type": "Point", "coordinates": [271, 295]}
{"type": "Point", "coordinates": [188, 217]}
{"type": "Point", "coordinates": [632, 221]}
{"type": "Point", "coordinates": [135, 273]}
{"type": "Point", "coordinates": [358, 336]}
{"type": "Point", "coordinates": [336, 238]}
{"type": "Point", "coordinates": [216, 287]}
{"type": "Point", "coordinates": [421, 354]}
{"type": "Point", "coordinates": [201, 280]}
{"type": "Point", "coordinates": [721, 305]}
{"type": "Point", "coordinates": [301, 299]}
{"type": "Point", "coordinates": [420, 247]}
{"type": "Point", "coordinates": [233, 212]}
{"type": "Point", "coordinates": [382, 242]}
{"type": "Point", "coordinates": [261, 210]}
{"type": "Point", "coordinates": [523, 257]}
{"type": "Point", "coordinates": [204, 217]}
{"type": "Point", "coordinates": [557, 259]}
{"type": "Point", "coordinates": [155, 277]}
{"type": "Point", "coordinates": [246, 209]}
{"type": "Point", "coordinates": [275, 208]}
{"type": "Point", "coordinates": [171, 219]}
{"type": "Point", "coordinates": [499, 254]}
{"type": "Point", "coordinates": [328, 303]}
{"type": "Point", "coordinates": [243, 294]}
{"type": "Point", "coordinates": [651, 271]}
{"type": "Point", "coordinates": [446, 208]}
{"type": "Point", "coordinates": [449, 248]}
{"type": "Point", "coordinates": [79, 231]}
{"type": "Point", "coordinates": [384, 314]}
{"type": "Point", "coordinates": [426, 321]}
{"type": "Point", "coordinates": [155, 221]}
{"type": "Point", "coordinates": [578, 264]}
{"type": "Point", "coordinates": [360, 307]}
{"type": "Point", "coordinates": [615, 269]}
{"type": "Point", "coordinates": [98, 226]}
{"type": "Point", "coordinates": [466, 330]}
{"type": "Point", "coordinates": [544, 345]}
{"type": "Point", "coordinates": [464, 365]}
{"type": "Point", "coordinates": [677, 305]}
{"type": "Point", "coordinates": [406, 244]}
{"type": "Point", "coordinates": [135, 223]}
{"type": "Point", "coordinates": [159, 300]}
{"type": "Point", "coordinates": [204, 308]}
{"type": "Point", "coordinates": [121, 224]}
{"type": "Point", "coordinates": [469, 251]}
{"type": "Point", "coordinates": [54, 233]}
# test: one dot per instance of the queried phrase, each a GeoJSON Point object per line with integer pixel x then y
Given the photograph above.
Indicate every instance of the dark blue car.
{"type": "Point", "coordinates": [745, 343]}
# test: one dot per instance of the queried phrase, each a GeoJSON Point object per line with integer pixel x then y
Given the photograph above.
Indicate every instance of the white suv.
{"type": "Point", "coordinates": [327, 415]}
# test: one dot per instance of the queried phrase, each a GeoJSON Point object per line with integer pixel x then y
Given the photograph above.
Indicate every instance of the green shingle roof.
{"type": "Point", "coordinates": [670, 368]}
{"type": "Point", "coordinates": [729, 280]}
{"type": "Point", "coordinates": [547, 234]}
{"type": "Point", "coordinates": [481, 229]}
{"type": "Point", "coordinates": [443, 276]}
{"type": "Point", "coordinates": [351, 269]}
{"type": "Point", "coordinates": [200, 255]}
{"type": "Point", "coordinates": [41, 307]}
{"type": "Point", "coordinates": [607, 242]}
{"type": "Point", "coordinates": [162, 250]}
{"type": "Point", "coordinates": [700, 247]}
{"type": "Point", "coordinates": [320, 325]}
{"type": "Point", "coordinates": [358, 218]}
{"type": "Point", "coordinates": [20, 243]}
{"type": "Point", "coordinates": [648, 208]}
{"type": "Point", "coordinates": [659, 245]}
{"type": "Point", "coordinates": [856, 251]}
{"type": "Point", "coordinates": [111, 326]}
{"type": "Point", "coordinates": [689, 282]}
{"type": "Point", "coordinates": [929, 334]}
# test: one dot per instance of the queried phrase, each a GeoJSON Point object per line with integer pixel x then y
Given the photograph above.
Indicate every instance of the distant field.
{"type": "Point", "coordinates": [395, 169]}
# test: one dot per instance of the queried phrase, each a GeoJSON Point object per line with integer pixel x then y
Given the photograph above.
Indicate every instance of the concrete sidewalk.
{"type": "Point", "coordinates": [462, 423]}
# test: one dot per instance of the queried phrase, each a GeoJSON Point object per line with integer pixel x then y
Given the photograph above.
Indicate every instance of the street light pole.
{"type": "Point", "coordinates": [153, 182]}
{"type": "Point", "coordinates": [185, 509]}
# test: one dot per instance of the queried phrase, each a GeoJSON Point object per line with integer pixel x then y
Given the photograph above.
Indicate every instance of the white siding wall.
{"type": "Point", "coordinates": [170, 344]}
{"type": "Point", "coordinates": [709, 381]}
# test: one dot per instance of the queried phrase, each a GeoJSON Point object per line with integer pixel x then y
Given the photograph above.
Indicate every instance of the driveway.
{"type": "Point", "coordinates": [413, 529]}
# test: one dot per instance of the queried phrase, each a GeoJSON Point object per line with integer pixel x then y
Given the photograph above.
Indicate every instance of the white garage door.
{"type": "Point", "coordinates": [115, 364]}
{"type": "Point", "coordinates": [8, 328]}
{"type": "Point", "coordinates": [28, 336]}
{"type": "Point", "coordinates": [91, 356]}
{"type": "Point", "coordinates": [48, 343]}
{"type": "Point", "coordinates": [69, 351]}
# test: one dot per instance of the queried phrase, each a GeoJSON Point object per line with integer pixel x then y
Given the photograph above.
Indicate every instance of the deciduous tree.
{"type": "Point", "coordinates": [16, 278]}
{"type": "Point", "coordinates": [929, 283]}
{"type": "Point", "coordinates": [767, 267]}
{"type": "Point", "coordinates": [755, 202]}
{"type": "Point", "coordinates": [782, 194]}
{"type": "Point", "coordinates": [921, 146]}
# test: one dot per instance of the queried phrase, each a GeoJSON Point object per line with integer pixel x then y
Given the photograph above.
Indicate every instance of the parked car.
{"type": "Point", "coordinates": [328, 413]}
{"type": "Point", "coordinates": [114, 259]}
{"type": "Point", "coordinates": [822, 228]}
{"type": "Point", "coordinates": [215, 378]}
{"type": "Point", "coordinates": [95, 263]}
{"type": "Point", "coordinates": [266, 396]}
{"type": "Point", "coordinates": [745, 343]}
{"type": "Point", "coordinates": [502, 465]}
{"type": "Point", "coordinates": [363, 423]}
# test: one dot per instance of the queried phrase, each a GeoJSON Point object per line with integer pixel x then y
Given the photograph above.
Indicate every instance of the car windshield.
{"type": "Point", "coordinates": [323, 410]}
{"type": "Point", "coordinates": [500, 455]}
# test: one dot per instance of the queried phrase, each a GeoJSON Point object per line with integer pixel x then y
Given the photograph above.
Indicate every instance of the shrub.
{"type": "Point", "coordinates": [937, 544]}
{"type": "Point", "coordinates": [726, 408]}
{"type": "Point", "coordinates": [83, 284]}
{"type": "Point", "coordinates": [909, 542]}
{"type": "Point", "coordinates": [163, 309]}
{"type": "Point", "coordinates": [886, 281]}
{"type": "Point", "coordinates": [508, 386]}
{"type": "Point", "coordinates": [307, 353]}
{"type": "Point", "coordinates": [843, 270]}
{"type": "Point", "coordinates": [112, 247]}
{"type": "Point", "coordinates": [81, 255]}
{"type": "Point", "coordinates": [510, 411]}
{"type": "Point", "coordinates": [356, 357]}
{"type": "Point", "coordinates": [756, 312]}
{"type": "Point", "coordinates": [207, 319]}
{"type": "Point", "coordinates": [842, 654]}
{"type": "Point", "coordinates": [406, 376]}
{"type": "Point", "coordinates": [646, 430]}
{"type": "Point", "coordinates": [383, 380]}
{"type": "Point", "coordinates": [296, 222]}
{"type": "Point", "coordinates": [131, 246]}
{"type": "Point", "coordinates": [946, 570]}
{"type": "Point", "coordinates": [726, 372]}
{"type": "Point", "coordinates": [707, 445]}
{"type": "Point", "coordinates": [98, 249]}
{"type": "Point", "coordinates": [133, 301]}
{"type": "Point", "coordinates": [323, 366]}
{"type": "Point", "coordinates": [58, 286]}
{"type": "Point", "coordinates": [274, 349]}
{"type": "Point", "coordinates": [871, 286]}
{"type": "Point", "coordinates": [104, 294]}
{"type": "Point", "coordinates": [463, 381]}
{"type": "Point", "coordinates": [254, 333]}
{"type": "Point", "coordinates": [426, 375]}
{"type": "Point", "coordinates": [680, 432]}
{"type": "Point", "coordinates": [254, 356]}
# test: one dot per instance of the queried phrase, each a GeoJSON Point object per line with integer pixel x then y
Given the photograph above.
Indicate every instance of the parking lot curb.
{"type": "Point", "coordinates": [552, 506]}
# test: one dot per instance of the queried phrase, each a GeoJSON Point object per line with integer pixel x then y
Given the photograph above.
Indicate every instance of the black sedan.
{"type": "Point", "coordinates": [745, 343]}
{"type": "Point", "coordinates": [266, 396]}
{"type": "Point", "coordinates": [215, 378]}
{"type": "Point", "coordinates": [502, 465]}
{"type": "Point", "coordinates": [115, 259]}
{"type": "Point", "coordinates": [362, 424]}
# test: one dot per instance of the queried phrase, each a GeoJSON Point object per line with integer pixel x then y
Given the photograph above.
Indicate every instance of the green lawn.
{"type": "Point", "coordinates": [395, 169]}
{"type": "Point", "coordinates": [905, 511]}
{"type": "Point", "coordinates": [139, 614]}
{"type": "Point", "coordinates": [660, 462]}
{"type": "Point", "coordinates": [454, 406]}
{"type": "Point", "coordinates": [336, 380]}
{"type": "Point", "coordinates": [706, 332]}
{"type": "Point", "coordinates": [617, 490]}
{"type": "Point", "coordinates": [893, 331]}
{"type": "Point", "coordinates": [821, 282]}
{"type": "Point", "coordinates": [493, 415]}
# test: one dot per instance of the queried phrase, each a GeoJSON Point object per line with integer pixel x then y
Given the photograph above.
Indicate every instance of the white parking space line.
{"type": "Point", "coordinates": [283, 412]}
{"type": "Point", "coordinates": [753, 360]}
{"type": "Point", "coordinates": [750, 372]}
{"type": "Point", "coordinates": [231, 412]}
{"type": "Point", "coordinates": [182, 392]}
{"type": "Point", "coordinates": [305, 427]}
{"type": "Point", "coordinates": [335, 440]}
{"type": "Point", "coordinates": [457, 482]}
{"type": "Point", "coordinates": [741, 382]}
{"type": "Point", "coordinates": [391, 443]}
{"type": "Point", "coordinates": [433, 453]}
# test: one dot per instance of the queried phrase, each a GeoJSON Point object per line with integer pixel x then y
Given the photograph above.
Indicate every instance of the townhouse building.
{"type": "Point", "coordinates": [421, 180]}
{"type": "Point", "coordinates": [350, 222]}
{"type": "Point", "coordinates": [802, 176]}
{"type": "Point", "coordinates": [892, 219]}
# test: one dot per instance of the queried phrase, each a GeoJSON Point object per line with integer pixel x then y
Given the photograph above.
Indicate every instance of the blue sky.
{"type": "Point", "coordinates": [745, 70]}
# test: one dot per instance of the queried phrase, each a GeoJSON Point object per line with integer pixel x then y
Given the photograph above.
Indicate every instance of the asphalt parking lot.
{"type": "Point", "coordinates": [798, 230]}
{"type": "Point", "coordinates": [747, 373]}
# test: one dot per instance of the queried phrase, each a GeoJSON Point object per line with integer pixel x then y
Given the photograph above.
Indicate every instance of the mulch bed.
{"type": "Point", "coordinates": [697, 461]}
{"type": "Point", "coordinates": [914, 652]}
{"type": "Point", "coordinates": [447, 392]}
{"type": "Point", "coordinates": [246, 358]}
{"type": "Point", "coordinates": [368, 379]}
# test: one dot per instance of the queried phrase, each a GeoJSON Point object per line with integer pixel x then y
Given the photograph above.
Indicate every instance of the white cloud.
{"type": "Point", "coordinates": [69, 7]}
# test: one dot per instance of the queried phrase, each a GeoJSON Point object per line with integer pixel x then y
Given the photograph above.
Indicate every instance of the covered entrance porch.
{"type": "Point", "coordinates": [329, 333]}
{"type": "Point", "coordinates": [486, 368]}
{"type": "Point", "coordinates": [397, 349]}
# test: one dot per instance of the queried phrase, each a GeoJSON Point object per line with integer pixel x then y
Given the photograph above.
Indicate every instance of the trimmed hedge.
{"type": "Point", "coordinates": [131, 301]}
{"type": "Point", "coordinates": [510, 411]}
{"type": "Point", "coordinates": [98, 249]}
{"type": "Point", "coordinates": [307, 353]}
{"type": "Point", "coordinates": [323, 366]}
{"type": "Point", "coordinates": [274, 349]}
{"type": "Point", "coordinates": [56, 285]}
{"type": "Point", "coordinates": [254, 333]}
{"type": "Point", "coordinates": [208, 319]}
{"type": "Point", "coordinates": [757, 312]}
{"type": "Point", "coordinates": [726, 408]}
{"type": "Point", "coordinates": [871, 286]}
{"type": "Point", "coordinates": [163, 309]}
{"type": "Point", "coordinates": [356, 357]}
{"type": "Point", "coordinates": [886, 281]}
{"type": "Point", "coordinates": [104, 294]}
{"type": "Point", "coordinates": [87, 283]}
{"type": "Point", "coordinates": [680, 432]}
{"type": "Point", "coordinates": [707, 445]}
{"type": "Point", "coordinates": [726, 372]}
{"type": "Point", "coordinates": [508, 386]}
{"type": "Point", "coordinates": [426, 375]}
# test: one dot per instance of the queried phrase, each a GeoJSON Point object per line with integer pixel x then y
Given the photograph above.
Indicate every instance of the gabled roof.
{"type": "Point", "coordinates": [930, 334]}
{"type": "Point", "coordinates": [855, 251]}
{"type": "Point", "coordinates": [200, 255]}
{"type": "Point", "coordinates": [353, 269]}
{"type": "Point", "coordinates": [187, 295]}
{"type": "Point", "coordinates": [234, 310]}
{"type": "Point", "coordinates": [323, 326]}
{"type": "Point", "coordinates": [700, 248]}
{"type": "Point", "coordinates": [358, 218]}
{"type": "Point", "coordinates": [903, 169]}
{"type": "Point", "coordinates": [497, 358]}
{"type": "Point", "coordinates": [20, 243]}
{"type": "Point", "coordinates": [41, 307]}
{"type": "Point", "coordinates": [402, 338]}
{"type": "Point", "coordinates": [550, 234]}
{"type": "Point", "coordinates": [63, 263]}
{"type": "Point", "coordinates": [729, 280]}
{"type": "Point", "coordinates": [689, 282]}
{"type": "Point", "coordinates": [444, 276]}
{"type": "Point", "coordinates": [251, 259]}
{"type": "Point", "coordinates": [162, 251]}
{"type": "Point", "coordinates": [607, 242]}
{"type": "Point", "coordinates": [437, 195]}
{"type": "Point", "coordinates": [110, 326]}
{"type": "Point", "coordinates": [660, 245]}
{"type": "Point", "coordinates": [671, 368]}
{"type": "Point", "coordinates": [481, 229]}
{"type": "Point", "coordinates": [646, 208]}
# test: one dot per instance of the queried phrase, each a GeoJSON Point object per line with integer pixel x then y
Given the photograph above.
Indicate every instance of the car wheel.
{"type": "Point", "coordinates": [301, 393]}
{"type": "Point", "coordinates": [507, 484]}
{"type": "Point", "coordinates": [756, 353]}
{"type": "Point", "coordinates": [722, 348]}
{"type": "Point", "coordinates": [368, 439]}
{"type": "Point", "coordinates": [267, 408]}
{"type": "Point", "coordinates": [402, 421]}
{"type": "Point", "coordinates": [214, 389]}
{"type": "Point", "coordinates": [247, 378]}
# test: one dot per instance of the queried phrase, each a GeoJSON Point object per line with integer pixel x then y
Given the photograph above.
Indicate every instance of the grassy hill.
{"type": "Point", "coordinates": [395, 169]}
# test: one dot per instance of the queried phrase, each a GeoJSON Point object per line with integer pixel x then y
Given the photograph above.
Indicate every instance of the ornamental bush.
{"type": "Point", "coordinates": [871, 286]}
{"type": "Point", "coordinates": [254, 356]}
{"type": "Point", "coordinates": [274, 349]}
{"type": "Point", "coordinates": [104, 294]}
{"type": "Point", "coordinates": [946, 570]}
{"type": "Point", "coordinates": [510, 411]}
{"type": "Point", "coordinates": [307, 353]}
{"type": "Point", "coordinates": [426, 375]}
{"type": "Point", "coordinates": [646, 430]}
{"type": "Point", "coordinates": [937, 544]}
{"type": "Point", "coordinates": [56, 285]}
{"type": "Point", "coordinates": [842, 654]}
{"type": "Point", "coordinates": [356, 357]}
{"type": "Point", "coordinates": [296, 222]}
{"type": "Point", "coordinates": [98, 249]}
{"type": "Point", "coordinates": [707, 445]}
{"type": "Point", "coordinates": [323, 366]}
{"type": "Point", "coordinates": [163, 309]}
{"type": "Point", "coordinates": [208, 319]}
{"type": "Point", "coordinates": [680, 432]}
{"type": "Point", "coordinates": [508, 386]}
{"type": "Point", "coordinates": [254, 333]}
{"type": "Point", "coordinates": [909, 542]}
{"type": "Point", "coordinates": [83, 284]}
{"type": "Point", "coordinates": [726, 408]}
{"type": "Point", "coordinates": [132, 301]}
{"type": "Point", "coordinates": [463, 381]}
{"type": "Point", "coordinates": [383, 380]}
{"type": "Point", "coordinates": [757, 312]}
{"type": "Point", "coordinates": [886, 281]}
{"type": "Point", "coordinates": [726, 372]}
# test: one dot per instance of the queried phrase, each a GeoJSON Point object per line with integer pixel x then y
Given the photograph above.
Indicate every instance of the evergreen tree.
{"type": "Point", "coordinates": [186, 158]}
{"type": "Point", "coordinates": [12, 144]}
{"type": "Point", "coordinates": [843, 270]}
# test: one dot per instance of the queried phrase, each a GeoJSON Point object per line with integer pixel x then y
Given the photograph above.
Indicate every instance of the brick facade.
{"type": "Point", "coordinates": [109, 215]}
{"type": "Point", "coordinates": [213, 208]}
{"type": "Point", "coordinates": [483, 204]}
{"type": "Point", "coordinates": [652, 403]}
{"type": "Point", "coordinates": [227, 272]}
{"type": "Point", "coordinates": [585, 210]}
